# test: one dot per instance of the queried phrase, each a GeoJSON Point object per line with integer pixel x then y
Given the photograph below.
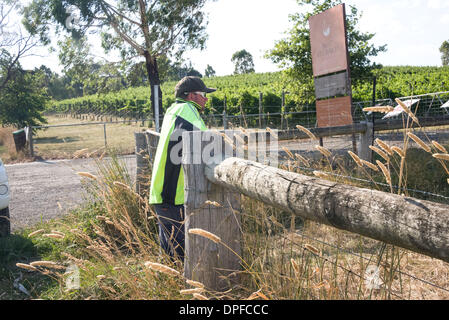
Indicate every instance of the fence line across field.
{"type": "Point", "coordinates": [424, 281]}
{"type": "Point", "coordinates": [224, 182]}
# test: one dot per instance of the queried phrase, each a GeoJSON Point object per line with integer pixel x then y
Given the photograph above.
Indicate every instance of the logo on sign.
{"type": "Point", "coordinates": [326, 29]}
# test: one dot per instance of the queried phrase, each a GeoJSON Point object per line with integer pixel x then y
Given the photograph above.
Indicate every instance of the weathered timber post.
{"type": "Point", "coordinates": [283, 110]}
{"type": "Point", "coordinates": [104, 133]}
{"type": "Point", "coordinates": [418, 225]}
{"type": "Point", "coordinates": [366, 140]}
{"type": "Point", "coordinates": [260, 109]}
{"type": "Point", "coordinates": [142, 166]}
{"type": "Point", "coordinates": [152, 138]}
{"type": "Point", "coordinates": [30, 140]}
{"type": "Point", "coordinates": [215, 264]}
{"type": "Point", "coordinates": [146, 145]}
{"type": "Point", "coordinates": [225, 120]}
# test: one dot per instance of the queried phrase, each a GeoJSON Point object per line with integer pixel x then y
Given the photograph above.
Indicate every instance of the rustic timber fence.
{"type": "Point", "coordinates": [212, 202]}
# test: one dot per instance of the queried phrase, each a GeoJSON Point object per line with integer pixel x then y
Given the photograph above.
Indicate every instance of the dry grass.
{"type": "Point", "coordinates": [66, 142]}
{"type": "Point", "coordinates": [283, 257]}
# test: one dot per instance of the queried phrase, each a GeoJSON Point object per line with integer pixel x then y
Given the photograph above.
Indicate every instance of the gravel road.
{"type": "Point", "coordinates": [44, 190]}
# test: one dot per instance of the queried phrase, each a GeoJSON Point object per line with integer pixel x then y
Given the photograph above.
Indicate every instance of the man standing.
{"type": "Point", "coordinates": [167, 181]}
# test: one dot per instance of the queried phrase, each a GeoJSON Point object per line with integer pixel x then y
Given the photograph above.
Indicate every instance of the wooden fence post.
{"type": "Point", "coordinates": [146, 145]}
{"type": "Point", "coordinates": [260, 109]}
{"type": "Point", "coordinates": [30, 141]}
{"type": "Point", "coordinates": [225, 120]}
{"type": "Point", "coordinates": [366, 140]}
{"type": "Point", "coordinates": [215, 264]}
{"type": "Point", "coordinates": [142, 167]}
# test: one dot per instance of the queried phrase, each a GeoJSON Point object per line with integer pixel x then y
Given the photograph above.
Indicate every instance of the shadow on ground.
{"type": "Point", "coordinates": [51, 140]}
{"type": "Point", "coordinates": [19, 249]}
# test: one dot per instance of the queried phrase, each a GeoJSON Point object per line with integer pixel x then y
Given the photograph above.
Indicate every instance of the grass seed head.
{"type": "Point", "coordinates": [213, 203]}
{"type": "Point", "coordinates": [321, 174]}
{"type": "Point", "coordinates": [380, 152]}
{"type": "Point", "coordinates": [369, 165]}
{"type": "Point", "coordinates": [384, 146]}
{"type": "Point", "coordinates": [199, 296]}
{"type": "Point", "coordinates": [205, 234]}
{"type": "Point", "coordinates": [356, 158]}
{"type": "Point", "coordinates": [53, 235]}
{"type": "Point", "coordinates": [382, 109]}
{"type": "Point", "coordinates": [195, 284]}
{"type": "Point", "coordinates": [26, 266]}
{"type": "Point", "coordinates": [47, 264]}
{"type": "Point", "coordinates": [306, 131]}
{"type": "Point", "coordinates": [311, 248]}
{"type": "Point", "coordinates": [302, 159]}
{"type": "Point", "coordinates": [87, 175]}
{"type": "Point", "coordinates": [289, 153]}
{"type": "Point", "coordinates": [274, 134]}
{"type": "Point", "coordinates": [399, 151]}
{"type": "Point", "coordinates": [191, 291]}
{"type": "Point", "coordinates": [439, 146]}
{"type": "Point", "coordinates": [323, 151]}
{"type": "Point", "coordinates": [32, 234]}
{"type": "Point", "coordinates": [384, 171]}
{"type": "Point", "coordinates": [441, 156]}
{"type": "Point", "coordinates": [421, 143]}
{"type": "Point", "coordinates": [162, 268]}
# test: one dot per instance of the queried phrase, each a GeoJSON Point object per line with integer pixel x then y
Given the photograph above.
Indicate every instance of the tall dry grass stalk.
{"type": "Point", "coordinates": [407, 111]}
{"type": "Point", "coordinates": [381, 109]}
{"type": "Point", "coordinates": [205, 234]}
{"type": "Point", "coordinates": [306, 131]}
{"type": "Point", "coordinates": [421, 143]}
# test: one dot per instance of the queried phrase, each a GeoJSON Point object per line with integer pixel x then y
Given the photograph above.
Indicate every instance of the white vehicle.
{"type": "Point", "coordinates": [5, 226]}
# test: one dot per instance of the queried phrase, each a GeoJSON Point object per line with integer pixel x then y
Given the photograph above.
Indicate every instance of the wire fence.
{"type": "Point", "coordinates": [395, 283]}
{"type": "Point", "coordinates": [88, 139]}
{"type": "Point", "coordinates": [365, 268]}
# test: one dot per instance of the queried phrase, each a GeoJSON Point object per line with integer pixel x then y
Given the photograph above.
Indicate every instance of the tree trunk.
{"type": "Point", "coordinates": [153, 77]}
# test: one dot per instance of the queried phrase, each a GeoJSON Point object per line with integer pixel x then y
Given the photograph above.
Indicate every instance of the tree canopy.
{"type": "Point", "coordinates": [243, 61]}
{"type": "Point", "coordinates": [22, 96]}
{"type": "Point", "coordinates": [136, 28]}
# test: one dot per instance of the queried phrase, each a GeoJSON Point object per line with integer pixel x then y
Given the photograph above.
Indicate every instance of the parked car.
{"type": "Point", "coordinates": [5, 226]}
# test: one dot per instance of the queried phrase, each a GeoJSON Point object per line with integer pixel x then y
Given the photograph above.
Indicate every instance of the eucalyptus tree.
{"type": "Point", "coordinates": [243, 62]}
{"type": "Point", "coordinates": [147, 29]}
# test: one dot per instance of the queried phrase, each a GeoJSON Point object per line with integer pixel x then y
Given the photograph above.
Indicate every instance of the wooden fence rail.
{"type": "Point", "coordinates": [212, 202]}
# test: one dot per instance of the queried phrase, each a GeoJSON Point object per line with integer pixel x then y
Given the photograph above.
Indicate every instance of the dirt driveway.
{"type": "Point", "coordinates": [44, 190]}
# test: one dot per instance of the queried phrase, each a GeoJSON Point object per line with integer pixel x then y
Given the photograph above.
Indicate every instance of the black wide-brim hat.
{"type": "Point", "coordinates": [191, 84]}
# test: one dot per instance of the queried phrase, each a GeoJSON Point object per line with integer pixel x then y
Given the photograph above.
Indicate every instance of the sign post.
{"type": "Point", "coordinates": [156, 107]}
{"type": "Point", "coordinates": [331, 72]}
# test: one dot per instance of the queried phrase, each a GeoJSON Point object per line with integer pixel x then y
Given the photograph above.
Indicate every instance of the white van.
{"type": "Point", "coordinates": [4, 201]}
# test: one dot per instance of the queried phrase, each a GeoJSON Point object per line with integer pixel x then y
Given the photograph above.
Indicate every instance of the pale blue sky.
{"type": "Point", "coordinates": [412, 29]}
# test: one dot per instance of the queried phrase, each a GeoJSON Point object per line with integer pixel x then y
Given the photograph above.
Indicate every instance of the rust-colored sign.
{"type": "Point", "coordinates": [334, 112]}
{"type": "Point", "coordinates": [328, 41]}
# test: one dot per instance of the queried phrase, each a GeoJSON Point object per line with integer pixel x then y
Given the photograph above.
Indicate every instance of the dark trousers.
{"type": "Point", "coordinates": [171, 229]}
